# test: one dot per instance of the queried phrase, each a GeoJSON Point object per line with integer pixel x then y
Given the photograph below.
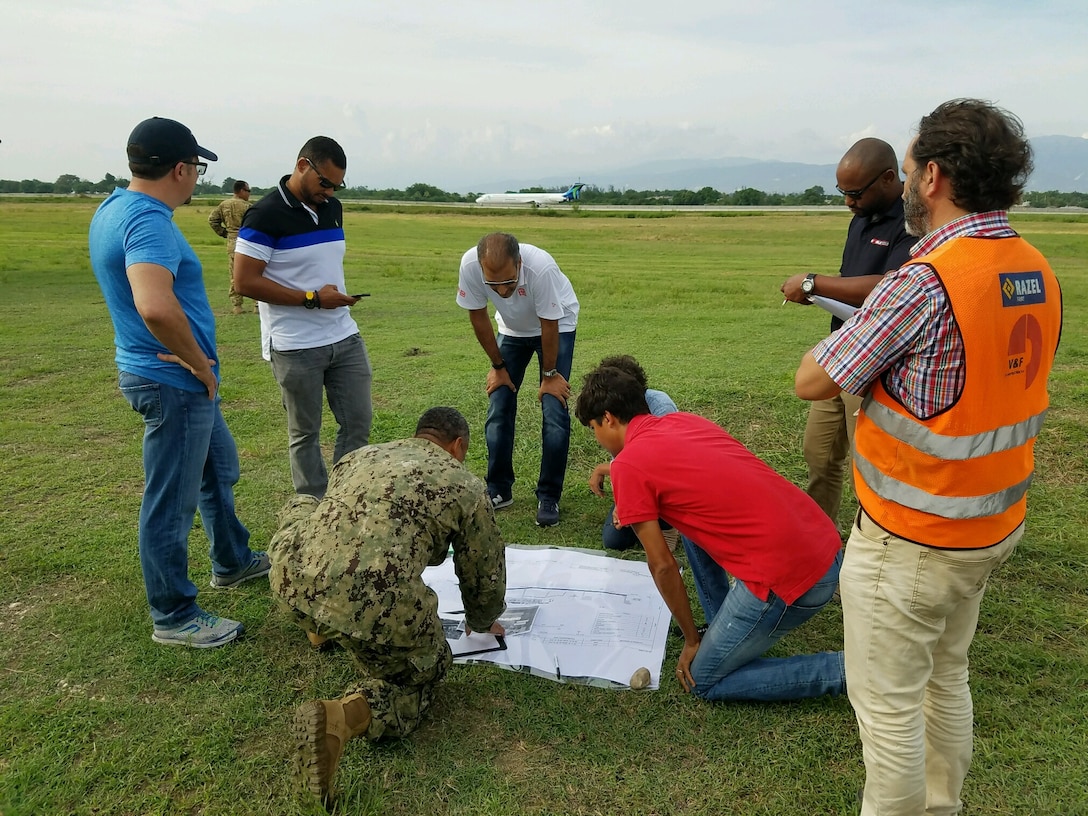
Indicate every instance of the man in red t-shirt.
{"type": "Point", "coordinates": [737, 517]}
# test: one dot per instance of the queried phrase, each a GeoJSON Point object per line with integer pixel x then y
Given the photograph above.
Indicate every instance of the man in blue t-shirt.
{"type": "Point", "coordinates": [164, 332]}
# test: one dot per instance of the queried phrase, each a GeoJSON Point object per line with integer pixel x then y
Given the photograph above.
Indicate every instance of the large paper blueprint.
{"type": "Point", "coordinates": [597, 618]}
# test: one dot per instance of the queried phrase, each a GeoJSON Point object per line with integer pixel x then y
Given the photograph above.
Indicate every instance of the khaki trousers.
{"type": "Point", "coordinates": [909, 616]}
{"type": "Point", "coordinates": [829, 439]}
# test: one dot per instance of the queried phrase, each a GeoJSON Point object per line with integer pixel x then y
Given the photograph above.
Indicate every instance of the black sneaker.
{"type": "Point", "coordinates": [498, 502]}
{"type": "Point", "coordinates": [547, 514]}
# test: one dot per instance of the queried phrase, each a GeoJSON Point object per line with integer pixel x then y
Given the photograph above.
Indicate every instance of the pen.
{"type": "Point", "coordinates": [785, 301]}
{"type": "Point", "coordinates": [558, 676]}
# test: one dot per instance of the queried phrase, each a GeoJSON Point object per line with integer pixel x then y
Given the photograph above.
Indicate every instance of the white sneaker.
{"type": "Point", "coordinates": [258, 567]}
{"type": "Point", "coordinates": [205, 631]}
{"type": "Point", "coordinates": [672, 538]}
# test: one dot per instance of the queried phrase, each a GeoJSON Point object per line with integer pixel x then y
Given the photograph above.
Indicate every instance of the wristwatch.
{"type": "Point", "coordinates": [808, 285]}
{"type": "Point", "coordinates": [551, 372]}
{"type": "Point", "coordinates": [312, 301]}
{"type": "Point", "coordinates": [499, 366]}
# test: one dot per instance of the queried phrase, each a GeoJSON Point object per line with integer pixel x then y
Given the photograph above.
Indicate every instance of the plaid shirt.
{"type": "Point", "coordinates": [906, 329]}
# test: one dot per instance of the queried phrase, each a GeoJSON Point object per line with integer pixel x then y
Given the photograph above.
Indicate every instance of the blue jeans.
{"type": "Point", "coordinates": [623, 538]}
{"type": "Point", "coordinates": [502, 410]}
{"type": "Point", "coordinates": [730, 664]}
{"type": "Point", "coordinates": [342, 371]}
{"type": "Point", "coordinates": [190, 462]}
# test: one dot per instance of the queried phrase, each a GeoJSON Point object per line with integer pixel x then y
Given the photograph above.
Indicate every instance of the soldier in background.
{"type": "Point", "coordinates": [226, 220]}
{"type": "Point", "coordinates": [349, 568]}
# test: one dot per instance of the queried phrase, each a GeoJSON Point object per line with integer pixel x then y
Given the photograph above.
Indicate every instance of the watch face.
{"type": "Point", "coordinates": [806, 285]}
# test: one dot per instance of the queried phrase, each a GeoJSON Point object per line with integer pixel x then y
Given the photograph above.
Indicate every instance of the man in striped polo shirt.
{"type": "Point", "coordinates": [290, 257]}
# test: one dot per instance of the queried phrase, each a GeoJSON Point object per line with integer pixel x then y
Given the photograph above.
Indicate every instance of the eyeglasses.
{"type": "Point", "coordinates": [201, 167]}
{"type": "Point", "coordinates": [324, 182]}
{"type": "Point", "coordinates": [856, 194]}
{"type": "Point", "coordinates": [512, 282]}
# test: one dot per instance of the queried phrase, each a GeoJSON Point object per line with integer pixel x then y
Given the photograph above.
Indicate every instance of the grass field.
{"type": "Point", "coordinates": [96, 719]}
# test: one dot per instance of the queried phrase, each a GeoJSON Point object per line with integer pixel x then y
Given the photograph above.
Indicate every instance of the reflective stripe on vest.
{"type": "Point", "coordinates": [951, 507]}
{"type": "Point", "coordinates": [953, 448]}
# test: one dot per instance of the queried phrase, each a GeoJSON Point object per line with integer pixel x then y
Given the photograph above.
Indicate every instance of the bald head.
{"type": "Point", "coordinates": [500, 260]}
{"type": "Point", "coordinates": [868, 177]}
{"type": "Point", "coordinates": [870, 155]}
{"type": "Point", "coordinates": [498, 248]}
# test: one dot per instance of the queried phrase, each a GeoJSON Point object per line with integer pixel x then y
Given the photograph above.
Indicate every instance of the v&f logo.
{"type": "Point", "coordinates": [1024, 361]}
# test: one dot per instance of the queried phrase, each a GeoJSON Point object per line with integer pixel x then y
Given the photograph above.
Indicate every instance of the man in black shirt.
{"type": "Point", "coordinates": [868, 178]}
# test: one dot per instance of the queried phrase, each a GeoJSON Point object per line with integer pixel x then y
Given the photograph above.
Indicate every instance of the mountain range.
{"type": "Point", "coordinates": [1061, 163]}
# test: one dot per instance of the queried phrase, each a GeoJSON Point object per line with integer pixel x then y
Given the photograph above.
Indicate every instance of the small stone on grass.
{"type": "Point", "coordinates": [640, 679]}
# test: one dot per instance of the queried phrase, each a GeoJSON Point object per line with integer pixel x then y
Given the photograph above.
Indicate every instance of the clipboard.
{"type": "Point", "coordinates": [462, 645]}
{"type": "Point", "coordinates": [500, 645]}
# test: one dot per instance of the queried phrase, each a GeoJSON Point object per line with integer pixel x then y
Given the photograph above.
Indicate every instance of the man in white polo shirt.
{"type": "Point", "coordinates": [290, 257]}
{"type": "Point", "coordinates": [537, 313]}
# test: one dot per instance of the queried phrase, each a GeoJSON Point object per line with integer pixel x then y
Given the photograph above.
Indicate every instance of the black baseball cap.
{"type": "Point", "coordinates": [163, 141]}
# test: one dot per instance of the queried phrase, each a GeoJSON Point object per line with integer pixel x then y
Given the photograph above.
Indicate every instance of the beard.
{"type": "Point", "coordinates": [914, 211]}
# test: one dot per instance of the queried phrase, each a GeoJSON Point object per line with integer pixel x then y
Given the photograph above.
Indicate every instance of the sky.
{"type": "Point", "coordinates": [470, 93]}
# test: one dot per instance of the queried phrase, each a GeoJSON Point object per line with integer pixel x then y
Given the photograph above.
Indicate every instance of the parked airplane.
{"type": "Point", "coordinates": [533, 198]}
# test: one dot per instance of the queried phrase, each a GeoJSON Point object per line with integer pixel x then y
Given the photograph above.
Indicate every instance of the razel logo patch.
{"type": "Point", "coordinates": [1022, 288]}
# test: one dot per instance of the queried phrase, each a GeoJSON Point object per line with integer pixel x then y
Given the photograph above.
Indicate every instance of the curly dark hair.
{"type": "Point", "coordinates": [981, 148]}
{"type": "Point", "coordinates": [606, 388]}
{"type": "Point", "coordinates": [625, 362]}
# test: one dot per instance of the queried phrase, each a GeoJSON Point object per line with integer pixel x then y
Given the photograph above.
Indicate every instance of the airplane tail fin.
{"type": "Point", "coordinates": [575, 192]}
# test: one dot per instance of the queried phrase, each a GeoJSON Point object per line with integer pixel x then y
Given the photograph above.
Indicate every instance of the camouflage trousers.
{"type": "Point", "coordinates": [397, 683]}
{"type": "Point", "coordinates": [235, 298]}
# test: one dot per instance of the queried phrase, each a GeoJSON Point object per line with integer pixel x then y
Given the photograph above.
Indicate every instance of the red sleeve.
{"type": "Point", "coordinates": [636, 496]}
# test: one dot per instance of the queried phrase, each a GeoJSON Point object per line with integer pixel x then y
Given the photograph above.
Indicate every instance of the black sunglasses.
{"type": "Point", "coordinates": [324, 182]}
{"type": "Point", "coordinates": [856, 194]}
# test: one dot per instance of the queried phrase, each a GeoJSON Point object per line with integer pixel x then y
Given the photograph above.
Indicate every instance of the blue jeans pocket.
{"type": "Point", "coordinates": [143, 395]}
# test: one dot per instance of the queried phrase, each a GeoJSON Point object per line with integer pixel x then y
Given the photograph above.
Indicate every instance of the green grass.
{"type": "Point", "coordinates": [96, 719]}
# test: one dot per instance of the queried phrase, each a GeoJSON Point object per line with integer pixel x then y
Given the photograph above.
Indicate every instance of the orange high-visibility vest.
{"type": "Point", "coordinates": [959, 479]}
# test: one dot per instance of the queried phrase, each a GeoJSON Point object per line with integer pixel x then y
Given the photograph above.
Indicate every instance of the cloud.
{"type": "Point", "coordinates": [457, 93]}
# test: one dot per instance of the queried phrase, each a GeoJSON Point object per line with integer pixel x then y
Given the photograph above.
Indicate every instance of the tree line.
{"type": "Point", "coordinates": [68, 184]}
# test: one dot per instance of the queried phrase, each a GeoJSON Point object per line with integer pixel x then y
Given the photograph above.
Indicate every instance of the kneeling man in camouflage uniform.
{"type": "Point", "coordinates": [349, 569]}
